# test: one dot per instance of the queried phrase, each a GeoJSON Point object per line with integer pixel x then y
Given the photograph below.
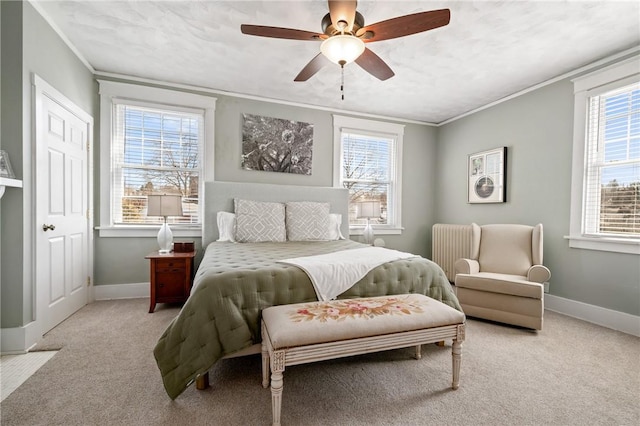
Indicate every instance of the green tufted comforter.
{"type": "Point", "coordinates": [236, 281]}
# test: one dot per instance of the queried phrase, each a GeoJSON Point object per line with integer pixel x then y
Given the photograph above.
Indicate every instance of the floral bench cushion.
{"type": "Point", "coordinates": [320, 322]}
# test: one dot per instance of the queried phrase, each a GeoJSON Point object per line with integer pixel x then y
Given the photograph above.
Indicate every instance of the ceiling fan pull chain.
{"type": "Point", "coordinates": [342, 79]}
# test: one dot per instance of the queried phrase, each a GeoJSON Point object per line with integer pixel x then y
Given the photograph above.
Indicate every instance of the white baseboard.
{"type": "Point", "coordinates": [609, 318]}
{"type": "Point", "coordinates": [18, 340]}
{"type": "Point", "coordinates": [120, 291]}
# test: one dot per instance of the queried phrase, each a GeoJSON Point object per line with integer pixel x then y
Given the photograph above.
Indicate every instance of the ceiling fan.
{"type": "Point", "coordinates": [344, 35]}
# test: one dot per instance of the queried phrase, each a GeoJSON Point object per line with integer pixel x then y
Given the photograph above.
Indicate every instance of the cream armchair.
{"type": "Point", "coordinates": [503, 280]}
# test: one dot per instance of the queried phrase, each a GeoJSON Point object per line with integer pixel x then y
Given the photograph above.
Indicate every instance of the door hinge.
{"type": "Point", "coordinates": [88, 281]}
{"type": "Point", "coordinates": [87, 214]}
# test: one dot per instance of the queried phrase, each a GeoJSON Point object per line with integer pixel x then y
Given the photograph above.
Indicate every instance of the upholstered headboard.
{"type": "Point", "coordinates": [218, 196]}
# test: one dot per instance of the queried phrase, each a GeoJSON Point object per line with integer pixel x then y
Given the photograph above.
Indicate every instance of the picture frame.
{"type": "Point", "coordinates": [273, 144]}
{"type": "Point", "coordinates": [486, 182]}
{"type": "Point", "coordinates": [5, 166]}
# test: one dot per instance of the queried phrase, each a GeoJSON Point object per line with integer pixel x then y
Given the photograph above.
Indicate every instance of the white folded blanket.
{"type": "Point", "coordinates": [334, 273]}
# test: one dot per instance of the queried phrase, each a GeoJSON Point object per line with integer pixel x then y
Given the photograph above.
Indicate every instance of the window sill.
{"type": "Point", "coordinates": [145, 231]}
{"type": "Point", "coordinates": [616, 245]}
{"type": "Point", "coordinates": [376, 231]}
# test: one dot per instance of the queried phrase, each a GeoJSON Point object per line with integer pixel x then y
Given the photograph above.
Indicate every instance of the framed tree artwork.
{"type": "Point", "coordinates": [487, 176]}
{"type": "Point", "coordinates": [276, 145]}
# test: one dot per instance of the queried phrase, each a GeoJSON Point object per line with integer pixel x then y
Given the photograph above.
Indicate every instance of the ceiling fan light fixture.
{"type": "Point", "coordinates": [343, 48]}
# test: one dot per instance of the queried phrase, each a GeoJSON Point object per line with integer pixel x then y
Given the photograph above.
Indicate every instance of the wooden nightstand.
{"type": "Point", "coordinates": [171, 277]}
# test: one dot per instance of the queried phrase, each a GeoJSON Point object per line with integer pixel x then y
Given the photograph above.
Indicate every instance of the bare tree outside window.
{"type": "Point", "coordinates": [612, 189]}
{"type": "Point", "coordinates": [159, 156]}
{"type": "Point", "coordinates": [365, 173]}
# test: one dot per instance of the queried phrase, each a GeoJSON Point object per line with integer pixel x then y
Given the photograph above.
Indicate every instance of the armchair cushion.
{"type": "Point", "coordinates": [505, 249]}
{"type": "Point", "coordinates": [514, 285]}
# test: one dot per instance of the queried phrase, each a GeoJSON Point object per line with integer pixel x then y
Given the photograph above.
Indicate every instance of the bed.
{"type": "Point", "coordinates": [236, 281]}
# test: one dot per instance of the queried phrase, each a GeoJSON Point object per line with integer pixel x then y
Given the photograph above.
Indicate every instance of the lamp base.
{"type": "Point", "coordinates": [367, 234]}
{"type": "Point", "coordinates": [165, 238]}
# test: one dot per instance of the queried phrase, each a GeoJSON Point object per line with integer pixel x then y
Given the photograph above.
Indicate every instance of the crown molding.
{"type": "Point", "coordinates": [64, 38]}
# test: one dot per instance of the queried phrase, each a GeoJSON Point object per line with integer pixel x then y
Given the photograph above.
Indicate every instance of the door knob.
{"type": "Point", "coordinates": [46, 228]}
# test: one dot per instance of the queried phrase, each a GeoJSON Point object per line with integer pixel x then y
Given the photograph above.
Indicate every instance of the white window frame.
{"type": "Point", "coordinates": [601, 81]}
{"type": "Point", "coordinates": [385, 130]}
{"type": "Point", "coordinates": [111, 91]}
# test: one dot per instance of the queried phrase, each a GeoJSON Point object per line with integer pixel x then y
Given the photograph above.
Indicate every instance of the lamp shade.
{"type": "Point", "coordinates": [164, 205]}
{"type": "Point", "coordinates": [368, 209]}
{"type": "Point", "coordinates": [342, 47]}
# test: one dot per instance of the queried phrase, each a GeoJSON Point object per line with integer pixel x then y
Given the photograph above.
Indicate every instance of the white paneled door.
{"type": "Point", "coordinates": [63, 240]}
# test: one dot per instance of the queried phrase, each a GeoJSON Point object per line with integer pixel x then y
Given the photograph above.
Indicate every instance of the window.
{"type": "Point", "coordinates": [612, 187]}
{"type": "Point", "coordinates": [154, 151]}
{"type": "Point", "coordinates": [156, 144]}
{"type": "Point", "coordinates": [368, 162]}
{"type": "Point", "coordinates": [606, 211]}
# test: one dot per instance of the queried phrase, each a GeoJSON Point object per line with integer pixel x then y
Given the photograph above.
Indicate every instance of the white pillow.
{"type": "Point", "coordinates": [307, 221]}
{"type": "Point", "coordinates": [226, 226]}
{"type": "Point", "coordinates": [259, 221]}
{"type": "Point", "coordinates": [335, 220]}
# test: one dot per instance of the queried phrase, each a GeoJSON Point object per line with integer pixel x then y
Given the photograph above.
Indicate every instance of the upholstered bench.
{"type": "Point", "coordinates": [317, 331]}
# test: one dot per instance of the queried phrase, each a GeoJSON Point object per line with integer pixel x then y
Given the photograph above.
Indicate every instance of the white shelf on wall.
{"type": "Point", "coordinates": [4, 182]}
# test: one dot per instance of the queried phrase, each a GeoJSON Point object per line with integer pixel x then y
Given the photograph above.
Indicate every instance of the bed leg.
{"type": "Point", "coordinates": [202, 381]}
{"type": "Point", "coordinates": [418, 354]}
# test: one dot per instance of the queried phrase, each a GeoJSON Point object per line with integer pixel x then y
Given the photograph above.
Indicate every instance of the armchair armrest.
{"type": "Point", "coordinates": [538, 274]}
{"type": "Point", "coordinates": [466, 266]}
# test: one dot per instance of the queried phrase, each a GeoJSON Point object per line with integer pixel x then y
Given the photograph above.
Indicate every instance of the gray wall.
{"type": "Point", "coordinates": [29, 45]}
{"type": "Point", "coordinates": [11, 132]}
{"type": "Point", "coordinates": [537, 128]}
{"type": "Point", "coordinates": [418, 183]}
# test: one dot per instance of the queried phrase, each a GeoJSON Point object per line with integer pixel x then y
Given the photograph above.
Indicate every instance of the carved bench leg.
{"type": "Point", "coordinates": [456, 354]}
{"type": "Point", "coordinates": [277, 368]}
{"type": "Point", "coordinates": [202, 381]}
{"type": "Point", "coordinates": [265, 366]}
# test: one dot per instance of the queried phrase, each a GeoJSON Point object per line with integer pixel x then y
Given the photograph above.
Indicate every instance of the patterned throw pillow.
{"type": "Point", "coordinates": [307, 221]}
{"type": "Point", "coordinates": [258, 221]}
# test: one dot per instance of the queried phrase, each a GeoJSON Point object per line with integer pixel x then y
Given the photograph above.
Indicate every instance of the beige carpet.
{"type": "Point", "coordinates": [571, 373]}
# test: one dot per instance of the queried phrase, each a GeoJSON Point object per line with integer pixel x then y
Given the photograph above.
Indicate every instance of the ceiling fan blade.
{"type": "Point", "coordinates": [341, 10]}
{"type": "Point", "coordinates": [405, 25]}
{"type": "Point", "coordinates": [277, 32]}
{"type": "Point", "coordinates": [312, 67]}
{"type": "Point", "coordinates": [375, 66]}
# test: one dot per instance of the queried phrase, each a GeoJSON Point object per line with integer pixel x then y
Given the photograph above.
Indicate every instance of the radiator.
{"type": "Point", "coordinates": [448, 244]}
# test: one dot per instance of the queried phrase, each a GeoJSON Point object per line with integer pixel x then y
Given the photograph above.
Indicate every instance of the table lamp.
{"type": "Point", "coordinates": [164, 205]}
{"type": "Point", "coordinates": [368, 210]}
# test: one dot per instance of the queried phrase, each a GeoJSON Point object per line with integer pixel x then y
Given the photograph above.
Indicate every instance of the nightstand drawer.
{"type": "Point", "coordinates": [171, 270]}
{"type": "Point", "coordinates": [169, 264]}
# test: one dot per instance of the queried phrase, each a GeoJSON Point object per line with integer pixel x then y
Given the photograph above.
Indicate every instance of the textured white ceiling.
{"type": "Point", "coordinates": [489, 50]}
